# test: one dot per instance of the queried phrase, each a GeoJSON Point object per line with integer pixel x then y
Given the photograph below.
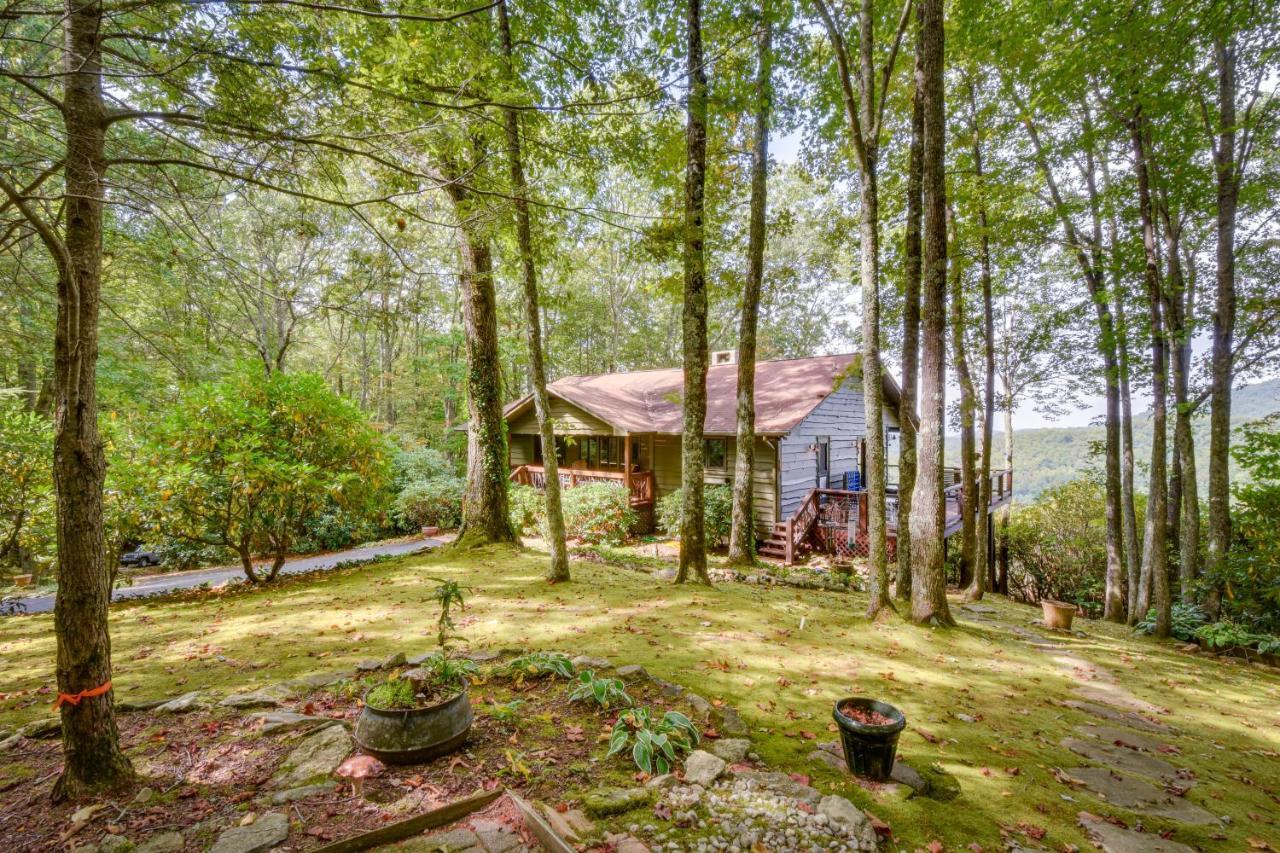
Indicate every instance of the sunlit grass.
{"type": "Point", "coordinates": [742, 644]}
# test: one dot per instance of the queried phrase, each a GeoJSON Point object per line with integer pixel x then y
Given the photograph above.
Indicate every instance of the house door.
{"type": "Point", "coordinates": [824, 461]}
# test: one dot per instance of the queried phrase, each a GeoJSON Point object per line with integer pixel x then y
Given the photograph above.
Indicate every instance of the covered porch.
{"type": "Point", "coordinates": [639, 483]}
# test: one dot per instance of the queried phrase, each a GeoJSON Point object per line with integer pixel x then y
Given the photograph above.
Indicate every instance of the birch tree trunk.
{"type": "Point", "coordinates": [558, 571]}
{"type": "Point", "coordinates": [693, 551]}
{"type": "Point", "coordinates": [742, 539]}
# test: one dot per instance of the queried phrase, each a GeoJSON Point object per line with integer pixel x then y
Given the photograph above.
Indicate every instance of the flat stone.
{"type": "Point", "coordinates": [588, 662]}
{"type": "Point", "coordinates": [1110, 755]}
{"type": "Point", "coordinates": [844, 813]}
{"type": "Point", "coordinates": [476, 655]}
{"type": "Point", "coordinates": [661, 783]}
{"type": "Point", "coordinates": [255, 699]}
{"type": "Point", "coordinates": [495, 836]}
{"type": "Point", "coordinates": [1138, 796]}
{"type": "Point", "coordinates": [611, 801]}
{"type": "Point", "coordinates": [112, 843]}
{"type": "Point", "coordinates": [394, 660]}
{"type": "Point", "coordinates": [669, 689]}
{"type": "Point", "coordinates": [700, 706]}
{"type": "Point", "coordinates": [632, 672]}
{"type": "Point", "coordinates": [781, 783]}
{"type": "Point", "coordinates": [264, 833]}
{"type": "Point", "coordinates": [905, 774]}
{"type": "Point", "coordinates": [729, 721]}
{"type": "Point", "coordinates": [279, 722]}
{"type": "Point", "coordinates": [314, 681]}
{"type": "Point", "coordinates": [732, 749]}
{"type": "Point", "coordinates": [163, 842]}
{"type": "Point", "coordinates": [1127, 718]}
{"type": "Point", "coordinates": [1116, 839]}
{"type": "Point", "coordinates": [703, 768]}
{"type": "Point", "coordinates": [561, 825]}
{"type": "Point", "coordinates": [835, 762]}
{"type": "Point", "coordinates": [314, 758]}
{"type": "Point", "coordinates": [449, 841]}
{"type": "Point", "coordinates": [140, 704]}
{"type": "Point", "coordinates": [978, 608]}
{"type": "Point", "coordinates": [665, 575]}
{"type": "Point", "coordinates": [620, 843]}
{"type": "Point", "coordinates": [42, 729]}
{"type": "Point", "coordinates": [293, 794]}
{"type": "Point", "coordinates": [183, 704]}
{"type": "Point", "coordinates": [144, 796]}
{"type": "Point", "coordinates": [1121, 737]}
{"type": "Point", "coordinates": [368, 666]}
{"type": "Point", "coordinates": [10, 742]}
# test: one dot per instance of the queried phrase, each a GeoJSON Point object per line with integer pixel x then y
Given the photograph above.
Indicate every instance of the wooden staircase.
{"type": "Point", "coordinates": [775, 547]}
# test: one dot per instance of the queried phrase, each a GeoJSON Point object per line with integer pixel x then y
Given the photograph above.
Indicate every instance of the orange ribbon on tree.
{"type": "Point", "coordinates": [74, 698]}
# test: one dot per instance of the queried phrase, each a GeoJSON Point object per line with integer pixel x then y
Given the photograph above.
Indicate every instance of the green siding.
{"type": "Point", "coordinates": [569, 420]}
{"type": "Point", "coordinates": [666, 470]}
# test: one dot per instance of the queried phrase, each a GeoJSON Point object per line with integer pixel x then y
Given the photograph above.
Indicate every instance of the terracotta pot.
{"type": "Point", "coordinates": [414, 735]}
{"type": "Point", "coordinates": [430, 531]}
{"type": "Point", "coordinates": [22, 580]}
{"type": "Point", "coordinates": [1057, 614]}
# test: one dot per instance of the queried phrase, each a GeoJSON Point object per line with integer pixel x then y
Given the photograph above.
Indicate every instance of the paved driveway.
{"type": "Point", "coordinates": [154, 584]}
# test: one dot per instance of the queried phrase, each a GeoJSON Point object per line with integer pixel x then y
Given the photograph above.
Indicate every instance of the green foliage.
{"type": "Point", "coordinates": [444, 677]}
{"type": "Point", "coordinates": [26, 487]}
{"type": "Point", "coordinates": [1186, 620]}
{"type": "Point", "coordinates": [436, 502]}
{"type": "Point", "coordinates": [447, 594]}
{"type": "Point", "coordinates": [1250, 582]}
{"type": "Point", "coordinates": [607, 692]}
{"type": "Point", "coordinates": [1057, 546]}
{"type": "Point", "coordinates": [598, 513]}
{"type": "Point", "coordinates": [718, 512]}
{"type": "Point", "coordinates": [249, 462]}
{"type": "Point", "coordinates": [507, 713]}
{"type": "Point", "coordinates": [538, 664]}
{"type": "Point", "coordinates": [393, 693]}
{"type": "Point", "coordinates": [654, 742]}
{"type": "Point", "coordinates": [527, 508]}
{"type": "Point", "coordinates": [1229, 635]}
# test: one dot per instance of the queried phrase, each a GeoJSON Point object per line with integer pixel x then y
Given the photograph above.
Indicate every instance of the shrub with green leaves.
{"type": "Point", "coordinates": [717, 512]}
{"type": "Point", "coordinates": [527, 508]}
{"type": "Point", "coordinates": [607, 692]}
{"type": "Point", "coordinates": [1186, 620]}
{"type": "Point", "coordinates": [26, 486]}
{"type": "Point", "coordinates": [539, 664]}
{"type": "Point", "coordinates": [598, 513]}
{"type": "Point", "coordinates": [436, 502]}
{"type": "Point", "coordinates": [1249, 581]}
{"type": "Point", "coordinates": [655, 742]}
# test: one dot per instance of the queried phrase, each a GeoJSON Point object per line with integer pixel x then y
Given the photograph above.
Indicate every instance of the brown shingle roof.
{"type": "Point", "coordinates": [650, 400]}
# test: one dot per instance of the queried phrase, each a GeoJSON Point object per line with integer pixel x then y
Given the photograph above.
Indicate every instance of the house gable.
{"type": "Point", "coordinates": [569, 418]}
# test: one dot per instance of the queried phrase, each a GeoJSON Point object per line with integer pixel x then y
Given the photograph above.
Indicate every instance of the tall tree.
{"type": "Point", "coordinates": [968, 402]}
{"type": "Point", "coordinates": [863, 93]}
{"type": "Point", "coordinates": [742, 536]}
{"type": "Point", "coordinates": [693, 546]}
{"type": "Point", "coordinates": [559, 568]}
{"type": "Point", "coordinates": [928, 581]}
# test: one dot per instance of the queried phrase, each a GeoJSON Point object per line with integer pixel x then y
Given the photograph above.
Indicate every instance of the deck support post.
{"type": "Point", "coordinates": [626, 463]}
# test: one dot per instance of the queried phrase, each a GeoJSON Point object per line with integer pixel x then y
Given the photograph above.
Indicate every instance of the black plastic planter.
{"type": "Point", "coordinates": [869, 750]}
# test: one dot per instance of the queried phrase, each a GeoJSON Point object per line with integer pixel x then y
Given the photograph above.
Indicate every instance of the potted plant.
{"type": "Point", "coordinates": [1057, 614]}
{"type": "Point", "coordinates": [869, 733]}
{"type": "Point", "coordinates": [423, 712]}
{"type": "Point", "coordinates": [419, 714]}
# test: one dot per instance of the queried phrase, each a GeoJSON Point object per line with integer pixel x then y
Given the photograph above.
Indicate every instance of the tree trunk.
{"type": "Point", "coordinates": [1224, 318]}
{"type": "Point", "coordinates": [873, 392]}
{"type": "Point", "coordinates": [559, 568]}
{"type": "Point", "coordinates": [1002, 577]}
{"type": "Point", "coordinates": [1155, 576]}
{"type": "Point", "coordinates": [693, 551]}
{"type": "Point", "coordinates": [742, 539]}
{"type": "Point", "coordinates": [1128, 512]}
{"type": "Point", "coordinates": [1184, 508]}
{"type": "Point", "coordinates": [910, 341]}
{"type": "Point", "coordinates": [484, 505]}
{"type": "Point", "coordinates": [928, 577]}
{"type": "Point", "coordinates": [984, 570]}
{"type": "Point", "coordinates": [92, 759]}
{"type": "Point", "coordinates": [968, 483]}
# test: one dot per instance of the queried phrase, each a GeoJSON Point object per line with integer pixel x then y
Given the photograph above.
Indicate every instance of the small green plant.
{"type": "Point", "coordinates": [717, 511]}
{"type": "Point", "coordinates": [447, 594]}
{"type": "Point", "coordinates": [608, 692]}
{"type": "Point", "coordinates": [393, 693]}
{"type": "Point", "coordinates": [1186, 620]}
{"type": "Point", "coordinates": [654, 743]}
{"type": "Point", "coordinates": [1226, 635]}
{"type": "Point", "coordinates": [507, 713]}
{"type": "Point", "coordinates": [538, 664]}
{"type": "Point", "coordinates": [435, 679]}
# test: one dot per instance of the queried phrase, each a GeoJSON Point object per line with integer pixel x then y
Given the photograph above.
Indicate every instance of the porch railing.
{"type": "Point", "coordinates": [641, 482]}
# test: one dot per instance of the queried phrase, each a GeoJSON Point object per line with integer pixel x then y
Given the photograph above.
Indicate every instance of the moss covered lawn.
{"type": "Point", "coordinates": [984, 705]}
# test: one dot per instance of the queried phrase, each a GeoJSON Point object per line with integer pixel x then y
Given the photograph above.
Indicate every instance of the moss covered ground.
{"type": "Point", "coordinates": [983, 703]}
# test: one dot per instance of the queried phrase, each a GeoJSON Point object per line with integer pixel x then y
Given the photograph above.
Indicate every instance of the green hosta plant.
{"type": "Point", "coordinates": [654, 742]}
{"type": "Point", "coordinates": [538, 664]}
{"type": "Point", "coordinates": [1186, 620]}
{"type": "Point", "coordinates": [608, 692]}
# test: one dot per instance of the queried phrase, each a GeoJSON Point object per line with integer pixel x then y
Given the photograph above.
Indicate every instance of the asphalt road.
{"type": "Point", "coordinates": [155, 584]}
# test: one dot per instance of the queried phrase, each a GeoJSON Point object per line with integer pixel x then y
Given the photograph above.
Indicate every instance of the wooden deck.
{"type": "Point", "coordinates": [639, 483]}
{"type": "Point", "coordinates": [835, 520]}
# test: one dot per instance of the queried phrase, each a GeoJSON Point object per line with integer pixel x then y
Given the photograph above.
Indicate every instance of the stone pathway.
{"type": "Point", "coordinates": [1122, 741]}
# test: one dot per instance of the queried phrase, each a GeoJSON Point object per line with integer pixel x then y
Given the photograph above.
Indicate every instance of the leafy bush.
{"type": "Point", "coordinates": [654, 742]}
{"type": "Point", "coordinates": [1187, 618]}
{"type": "Point", "coordinates": [598, 512]}
{"type": "Point", "coordinates": [333, 529]}
{"type": "Point", "coordinates": [436, 502]}
{"type": "Point", "coordinates": [607, 692]}
{"type": "Point", "coordinates": [1249, 585]}
{"type": "Point", "coordinates": [1227, 635]}
{"type": "Point", "coordinates": [26, 487]}
{"type": "Point", "coordinates": [717, 512]}
{"type": "Point", "coordinates": [1057, 546]}
{"type": "Point", "coordinates": [527, 508]}
{"type": "Point", "coordinates": [538, 664]}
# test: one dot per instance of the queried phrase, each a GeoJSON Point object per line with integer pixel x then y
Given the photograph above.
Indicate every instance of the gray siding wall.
{"type": "Point", "coordinates": [842, 418]}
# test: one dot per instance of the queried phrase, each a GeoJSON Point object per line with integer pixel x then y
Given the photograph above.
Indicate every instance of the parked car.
{"type": "Point", "coordinates": [140, 557]}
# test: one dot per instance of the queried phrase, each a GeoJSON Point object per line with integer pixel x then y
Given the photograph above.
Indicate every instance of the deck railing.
{"type": "Point", "coordinates": [641, 482]}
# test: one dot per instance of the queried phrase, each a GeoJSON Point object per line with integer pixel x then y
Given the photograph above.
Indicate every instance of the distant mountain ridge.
{"type": "Point", "coordinates": [1049, 456]}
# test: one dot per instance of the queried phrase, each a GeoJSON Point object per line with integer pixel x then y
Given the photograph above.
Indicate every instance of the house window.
{"type": "Point", "coordinates": [715, 452]}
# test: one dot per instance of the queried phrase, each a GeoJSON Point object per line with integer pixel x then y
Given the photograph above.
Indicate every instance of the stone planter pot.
{"type": "Point", "coordinates": [415, 735]}
{"type": "Point", "coordinates": [1057, 614]}
{"type": "Point", "coordinates": [869, 750]}
{"type": "Point", "coordinates": [22, 580]}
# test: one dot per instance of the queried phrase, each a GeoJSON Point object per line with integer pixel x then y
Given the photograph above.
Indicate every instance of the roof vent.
{"type": "Point", "coordinates": [724, 356]}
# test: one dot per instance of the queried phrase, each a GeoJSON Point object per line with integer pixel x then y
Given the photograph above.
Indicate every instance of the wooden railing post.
{"type": "Point", "coordinates": [788, 555]}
